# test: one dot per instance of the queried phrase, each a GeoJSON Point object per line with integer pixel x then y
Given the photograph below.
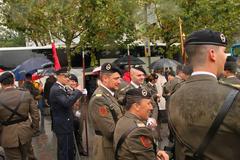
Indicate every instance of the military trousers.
{"type": "Point", "coordinates": [65, 146]}
{"type": "Point", "coordinates": [18, 153]}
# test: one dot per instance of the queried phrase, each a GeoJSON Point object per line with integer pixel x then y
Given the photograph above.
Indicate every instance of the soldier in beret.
{"type": "Point", "coordinates": [194, 106]}
{"type": "Point", "coordinates": [61, 103]}
{"type": "Point", "coordinates": [133, 139]}
{"type": "Point", "coordinates": [230, 69]}
{"type": "Point", "coordinates": [105, 111]}
{"type": "Point", "coordinates": [19, 118]}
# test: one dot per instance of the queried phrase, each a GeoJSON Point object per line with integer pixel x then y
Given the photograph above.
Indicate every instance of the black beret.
{"type": "Point", "coordinates": [110, 68]}
{"type": "Point", "coordinates": [73, 77]}
{"type": "Point", "coordinates": [138, 93]}
{"type": "Point", "coordinates": [206, 37]}
{"type": "Point", "coordinates": [63, 70]}
{"type": "Point", "coordinates": [140, 68]}
{"type": "Point", "coordinates": [6, 75]}
{"type": "Point", "coordinates": [231, 64]}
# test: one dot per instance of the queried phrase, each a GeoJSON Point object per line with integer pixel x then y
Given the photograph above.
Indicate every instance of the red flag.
{"type": "Point", "coordinates": [57, 65]}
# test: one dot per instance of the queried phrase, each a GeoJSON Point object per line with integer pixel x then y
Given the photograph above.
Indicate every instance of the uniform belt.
{"type": "Point", "coordinates": [7, 123]}
{"type": "Point", "coordinates": [98, 133]}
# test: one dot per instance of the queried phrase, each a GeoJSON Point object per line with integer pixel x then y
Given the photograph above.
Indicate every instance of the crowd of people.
{"type": "Point", "coordinates": [198, 104]}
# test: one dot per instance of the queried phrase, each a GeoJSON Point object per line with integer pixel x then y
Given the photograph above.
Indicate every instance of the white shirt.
{"type": "Point", "coordinates": [203, 73]}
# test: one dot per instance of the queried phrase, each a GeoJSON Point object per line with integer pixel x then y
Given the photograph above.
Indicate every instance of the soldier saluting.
{"type": "Point", "coordinates": [105, 111]}
{"type": "Point", "coordinates": [16, 106]}
{"type": "Point", "coordinates": [133, 139]}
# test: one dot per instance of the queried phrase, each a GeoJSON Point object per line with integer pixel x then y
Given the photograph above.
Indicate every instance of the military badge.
{"type": "Point", "coordinates": [223, 38]}
{"type": "Point", "coordinates": [108, 67]}
{"type": "Point", "coordinates": [146, 142]}
{"type": "Point", "coordinates": [103, 111]}
{"type": "Point", "coordinates": [144, 92]}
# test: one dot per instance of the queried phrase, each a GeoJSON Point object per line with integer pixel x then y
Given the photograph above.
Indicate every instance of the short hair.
{"type": "Point", "coordinates": [8, 78]}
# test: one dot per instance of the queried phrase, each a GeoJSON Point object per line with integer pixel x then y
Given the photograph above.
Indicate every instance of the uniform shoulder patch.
{"type": "Point", "coordinates": [102, 110]}
{"type": "Point", "coordinates": [236, 86]}
{"type": "Point", "coordinates": [145, 141]}
{"type": "Point", "coordinates": [140, 124]}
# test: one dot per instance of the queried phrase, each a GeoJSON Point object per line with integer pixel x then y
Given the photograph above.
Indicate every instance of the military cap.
{"type": "Point", "coordinates": [134, 96]}
{"type": "Point", "coordinates": [6, 76]}
{"type": "Point", "coordinates": [231, 64]}
{"type": "Point", "coordinates": [140, 68]}
{"type": "Point", "coordinates": [63, 70]}
{"type": "Point", "coordinates": [110, 68]}
{"type": "Point", "coordinates": [73, 77]}
{"type": "Point", "coordinates": [206, 37]}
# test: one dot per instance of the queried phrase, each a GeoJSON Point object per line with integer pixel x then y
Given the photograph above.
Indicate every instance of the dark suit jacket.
{"type": "Point", "coordinates": [61, 104]}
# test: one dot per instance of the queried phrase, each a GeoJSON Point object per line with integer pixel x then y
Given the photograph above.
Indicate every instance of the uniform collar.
{"type": "Point", "coordinates": [111, 92]}
{"type": "Point", "coordinates": [203, 73]}
{"type": "Point", "coordinates": [135, 85]}
{"type": "Point", "coordinates": [231, 76]}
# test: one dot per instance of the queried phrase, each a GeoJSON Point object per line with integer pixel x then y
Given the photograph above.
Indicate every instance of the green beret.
{"type": "Point", "coordinates": [206, 37]}
{"type": "Point", "coordinates": [63, 70]}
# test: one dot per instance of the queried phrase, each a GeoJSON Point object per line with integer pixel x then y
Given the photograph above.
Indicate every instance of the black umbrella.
{"type": "Point", "coordinates": [164, 63]}
{"type": "Point", "coordinates": [30, 66]}
{"type": "Point", "coordinates": [128, 60]}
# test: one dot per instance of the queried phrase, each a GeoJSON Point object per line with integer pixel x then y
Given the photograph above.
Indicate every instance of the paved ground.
{"type": "Point", "coordinates": [45, 147]}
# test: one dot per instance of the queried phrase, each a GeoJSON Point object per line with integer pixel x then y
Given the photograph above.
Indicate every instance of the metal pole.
{"type": "Point", "coordinates": [85, 117]}
{"type": "Point", "coordinates": [181, 40]}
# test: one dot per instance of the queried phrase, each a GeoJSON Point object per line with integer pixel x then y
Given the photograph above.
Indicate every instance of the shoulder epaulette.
{"type": "Point", "coordinates": [140, 124]}
{"type": "Point", "coordinates": [98, 95]}
{"type": "Point", "coordinates": [236, 86]}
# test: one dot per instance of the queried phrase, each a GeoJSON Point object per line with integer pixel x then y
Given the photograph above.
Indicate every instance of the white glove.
{"type": "Point", "coordinates": [84, 91]}
{"type": "Point", "coordinates": [78, 114]}
{"type": "Point", "coordinates": [152, 123]}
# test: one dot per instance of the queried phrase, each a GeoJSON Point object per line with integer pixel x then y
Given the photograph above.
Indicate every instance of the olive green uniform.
{"type": "Point", "coordinates": [171, 86]}
{"type": "Point", "coordinates": [16, 137]}
{"type": "Point", "coordinates": [192, 109]}
{"type": "Point", "coordinates": [104, 112]}
{"type": "Point", "coordinates": [138, 144]}
{"type": "Point", "coordinates": [232, 80]}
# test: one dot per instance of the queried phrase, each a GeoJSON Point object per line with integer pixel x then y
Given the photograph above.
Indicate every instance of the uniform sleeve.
{"type": "Point", "coordinates": [121, 95]}
{"type": "Point", "coordinates": [140, 144]}
{"type": "Point", "coordinates": [34, 113]}
{"type": "Point", "coordinates": [155, 109]}
{"type": "Point", "coordinates": [102, 117]}
{"type": "Point", "coordinates": [67, 100]}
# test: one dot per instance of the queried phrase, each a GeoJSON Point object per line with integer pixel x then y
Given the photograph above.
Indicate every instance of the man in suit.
{"type": "Point", "coordinates": [133, 139]}
{"type": "Point", "coordinates": [105, 111]}
{"type": "Point", "coordinates": [19, 118]}
{"type": "Point", "coordinates": [194, 106]}
{"type": "Point", "coordinates": [230, 69]}
{"type": "Point", "coordinates": [62, 115]}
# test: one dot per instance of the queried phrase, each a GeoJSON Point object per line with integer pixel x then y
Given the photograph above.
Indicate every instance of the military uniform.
{"type": "Point", "coordinates": [17, 136]}
{"type": "Point", "coordinates": [104, 112]}
{"type": "Point", "coordinates": [171, 86]}
{"type": "Point", "coordinates": [138, 144]}
{"type": "Point", "coordinates": [232, 80]}
{"type": "Point", "coordinates": [191, 114]}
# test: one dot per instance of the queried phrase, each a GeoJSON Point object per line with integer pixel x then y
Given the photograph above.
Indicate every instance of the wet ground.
{"type": "Point", "coordinates": [45, 145]}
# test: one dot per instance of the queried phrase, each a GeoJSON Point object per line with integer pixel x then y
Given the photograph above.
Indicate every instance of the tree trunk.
{"type": "Point", "coordinates": [68, 52]}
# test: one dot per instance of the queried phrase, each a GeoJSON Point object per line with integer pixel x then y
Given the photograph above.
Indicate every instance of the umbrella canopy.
{"type": "Point", "coordinates": [30, 66]}
{"type": "Point", "coordinates": [164, 63]}
{"type": "Point", "coordinates": [132, 60]}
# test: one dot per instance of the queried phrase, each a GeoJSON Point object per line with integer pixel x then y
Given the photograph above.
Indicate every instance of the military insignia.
{"type": "Point", "coordinates": [223, 38]}
{"type": "Point", "coordinates": [108, 67]}
{"type": "Point", "coordinates": [146, 142]}
{"type": "Point", "coordinates": [140, 124]}
{"type": "Point", "coordinates": [144, 92]}
{"type": "Point", "coordinates": [98, 95]}
{"type": "Point", "coordinates": [103, 111]}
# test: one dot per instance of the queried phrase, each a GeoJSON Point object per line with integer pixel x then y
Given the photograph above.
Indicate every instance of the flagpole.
{"type": "Point", "coordinates": [181, 40]}
{"type": "Point", "coordinates": [85, 117]}
{"type": "Point", "coordinates": [129, 63]}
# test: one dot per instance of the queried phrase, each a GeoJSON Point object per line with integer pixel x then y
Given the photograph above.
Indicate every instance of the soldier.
{"type": "Point", "coordinates": [194, 106]}
{"type": "Point", "coordinates": [230, 69]}
{"type": "Point", "coordinates": [62, 115]}
{"type": "Point", "coordinates": [19, 118]}
{"type": "Point", "coordinates": [105, 111]}
{"type": "Point", "coordinates": [183, 72]}
{"type": "Point", "coordinates": [133, 140]}
{"type": "Point", "coordinates": [137, 80]}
